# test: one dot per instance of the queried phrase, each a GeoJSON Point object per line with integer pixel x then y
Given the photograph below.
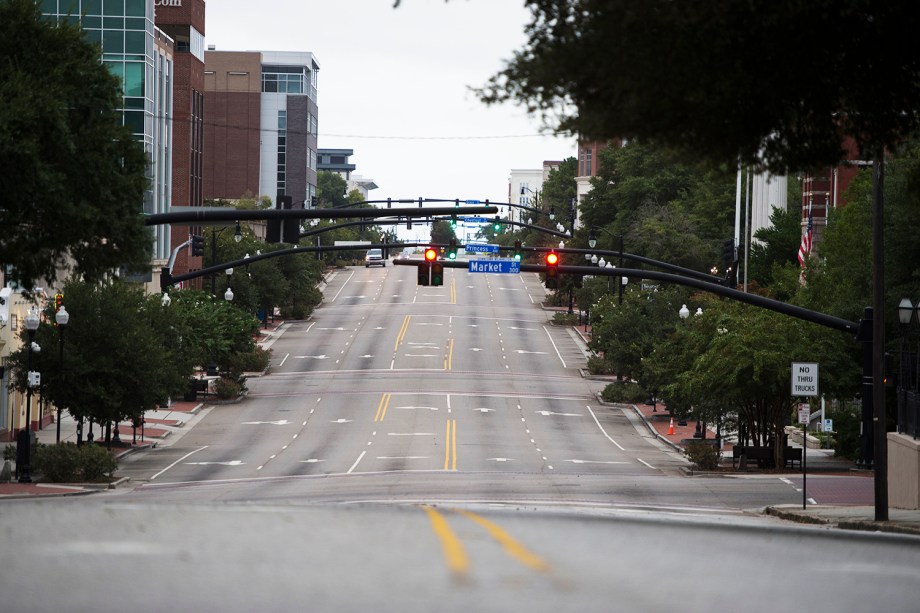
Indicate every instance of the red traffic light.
{"type": "Point", "coordinates": [431, 254]}
{"type": "Point", "coordinates": [552, 258]}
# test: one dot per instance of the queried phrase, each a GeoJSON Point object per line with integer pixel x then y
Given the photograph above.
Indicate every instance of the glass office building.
{"type": "Point", "coordinates": [139, 55]}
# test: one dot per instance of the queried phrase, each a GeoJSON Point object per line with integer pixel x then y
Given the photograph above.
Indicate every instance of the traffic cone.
{"type": "Point", "coordinates": [671, 427]}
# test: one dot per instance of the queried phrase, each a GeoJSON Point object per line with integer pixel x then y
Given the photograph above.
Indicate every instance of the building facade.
{"type": "Point", "coordinates": [184, 22]}
{"type": "Point", "coordinates": [261, 125]}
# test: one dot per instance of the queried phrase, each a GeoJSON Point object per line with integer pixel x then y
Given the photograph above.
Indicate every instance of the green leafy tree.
{"type": "Point", "coordinates": [331, 189]}
{"type": "Point", "coordinates": [442, 232]}
{"type": "Point", "coordinates": [124, 354]}
{"type": "Point", "coordinates": [73, 179]}
{"type": "Point", "coordinates": [713, 77]}
{"type": "Point", "coordinates": [776, 245]}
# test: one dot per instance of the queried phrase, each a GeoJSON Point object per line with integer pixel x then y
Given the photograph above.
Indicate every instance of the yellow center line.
{"type": "Point", "coordinates": [382, 407]}
{"type": "Point", "coordinates": [402, 332]}
{"type": "Point", "coordinates": [453, 290]}
{"type": "Point", "coordinates": [450, 445]}
{"type": "Point", "coordinates": [449, 358]}
{"type": "Point", "coordinates": [454, 552]}
{"type": "Point", "coordinates": [512, 547]}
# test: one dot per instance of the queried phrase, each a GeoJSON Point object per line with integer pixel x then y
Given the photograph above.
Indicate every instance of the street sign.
{"type": "Point", "coordinates": [828, 425]}
{"type": "Point", "coordinates": [804, 413]}
{"type": "Point", "coordinates": [481, 248]}
{"type": "Point", "coordinates": [474, 220]}
{"type": "Point", "coordinates": [804, 379]}
{"type": "Point", "coordinates": [472, 202]}
{"type": "Point", "coordinates": [497, 266]}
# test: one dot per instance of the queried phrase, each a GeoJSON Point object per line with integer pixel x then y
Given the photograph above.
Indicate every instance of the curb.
{"type": "Point", "coordinates": [858, 525]}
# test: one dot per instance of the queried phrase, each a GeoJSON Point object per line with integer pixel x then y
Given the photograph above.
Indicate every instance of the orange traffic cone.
{"type": "Point", "coordinates": [671, 427]}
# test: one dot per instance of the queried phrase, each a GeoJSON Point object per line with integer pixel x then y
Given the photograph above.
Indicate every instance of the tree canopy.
{"type": "Point", "coordinates": [780, 82]}
{"type": "Point", "coordinates": [73, 179]}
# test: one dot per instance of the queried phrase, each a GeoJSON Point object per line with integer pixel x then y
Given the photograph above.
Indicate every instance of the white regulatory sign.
{"type": "Point", "coordinates": [804, 413]}
{"type": "Point", "coordinates": [804, 379]}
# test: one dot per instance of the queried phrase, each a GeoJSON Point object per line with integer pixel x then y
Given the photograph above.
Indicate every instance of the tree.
{"type": "Point", "coordinates": [73, 179]}
{"type": "Point", "coordinates": [441, 232]}
{"type": "Point", "coordinates": [123, 355]}
{"type": "Point", "coordinates": [331, 189]}
{"type": "Point", "coordinates": [776, 245]}
{"type": "Point", "coordinates": [780, 82]}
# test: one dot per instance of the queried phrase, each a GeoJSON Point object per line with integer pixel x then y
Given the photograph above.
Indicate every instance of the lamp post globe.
{"type": "Point", "coordinates": [594, 259]}
{"type": "Point", "coordinates": [24, 438]}
{"type": "Point", "coordinates": [905, 311]}
{"type": "Point", "coordinates": [684, 312]}
{"type": "Point", "coordinates": [228, 295]}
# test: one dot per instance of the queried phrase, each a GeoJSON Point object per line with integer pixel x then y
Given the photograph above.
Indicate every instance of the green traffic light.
{"type": "Point", "coordinates": [517, 256]}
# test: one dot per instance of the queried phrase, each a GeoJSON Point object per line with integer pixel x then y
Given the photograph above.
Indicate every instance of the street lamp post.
{"type": "Point", "coordinates": [909, 374]}
{"type": "Point", "coordinates": [62, 317]}
{"type": "Point", "coordinates": [24, 438]}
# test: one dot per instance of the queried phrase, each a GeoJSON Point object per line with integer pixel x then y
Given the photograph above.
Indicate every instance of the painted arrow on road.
{"type": "Point", "coordinates": [546, 413]}
{"type": "Point", "coordinates": [230, 463]}
{"type": "Point", "coordinates": [535, 352]}
{"type": "Point", "coordinates": [314, 357]}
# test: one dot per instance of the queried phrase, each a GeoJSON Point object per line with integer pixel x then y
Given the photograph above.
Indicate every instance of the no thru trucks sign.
{"type": "Point", "coordinates": [804, 379]}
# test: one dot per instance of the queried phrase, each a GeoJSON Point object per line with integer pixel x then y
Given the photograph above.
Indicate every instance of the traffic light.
{"type": "Point", "coordinates": [452, 249]}
{"type": "Point", "coordinates": [552, 263]}
{"type": "Point", "coordinates": [197, 245]}
{"type": "Point", "coordinates": [497, 224]}
{"type": "Point", "coordinates": [437, 273]}
{"type": "Point", "coordinates": [517, 250]}
{"type": "Point", "coordinates": [424, 273]}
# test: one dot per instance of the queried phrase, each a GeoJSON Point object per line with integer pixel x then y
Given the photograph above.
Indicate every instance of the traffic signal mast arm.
{"type": "Point", "coordinates": [203, 215]}
{"type": "Point", "coordinates": [828, 321]}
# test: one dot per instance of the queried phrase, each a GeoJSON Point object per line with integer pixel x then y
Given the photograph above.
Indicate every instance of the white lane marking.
{"type": "Point", "coordinates": [230, 463]}
{"type": "Point", "coordinates": [355, 465]}
{"type": "Point", "coordinates": [604, 431]}
{"type": "Point", "coordinates": [501, 459]}
{"type": "Point", "coordinates": [513, 328]}
{"type": "Point", "coordinates": [484, 410]}
{"type": "Point", "coordinates": [646, 463]}
{"type": "Point", "coordinates": [592, 462]}
{"type": "Point", "coordinates": [402, 457]}
{"type": "Point", "coordinates": [554, 346]}
{"type": "Point", "coordinates": [280, 422]}
{"type": "Point", "coordinates": [343, 286]}
{"type": "Point", "coordinates": [423, 408]}
{"type": "Point", "coordinates": [420, 355]}
{"type": "Point", "coordinates": [410, 434]}
{"type": "Point", "coordinates": [341, 421]}
{"type": "Point", "coordinates": [311, 461]}
{"type": "Point", "coordinates": [286, 356]}
{"type": "Point", "coordinates": [315, 357]}
{"type": "Point", "coordinates": [812, 501]}
{"type": "Point", "coordinates": [338, 329]}
{"type": "Point", "coordinates": [546, 413]}
{"type": "Point", "coordinates": [177, 461]}
{"type": "Point", "coordinates": [532, 352]}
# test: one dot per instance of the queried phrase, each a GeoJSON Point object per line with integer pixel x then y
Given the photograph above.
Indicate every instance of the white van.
{"type": "Point", "coordinates": [374, 257]}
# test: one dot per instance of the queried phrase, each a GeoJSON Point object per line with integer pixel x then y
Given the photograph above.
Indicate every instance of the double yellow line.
{"type": "Point", "coordinates": [450, 445]}
{"type": "Point", "coordinates": [455, 553]}
{"type": "Point", "coordinates": [402, 332]}
{"type": "Point", "coordinates": [449, 358]}
{"type": "Point", "coordinates": [382, 408]}
{"type": "Point", "coordinates": [453, 290]}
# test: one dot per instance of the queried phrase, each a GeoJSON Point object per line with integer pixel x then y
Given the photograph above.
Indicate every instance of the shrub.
{"type": "Point", "coordinates": [565, 319]}
{"type": "Point", "coordinates": [97, 463]}
{"type": "Point", "coordinates": [597, 365]}
{"type": "Point", "coordinates": [9, 453]}
{"type": "Point", "coordinates": [226, 388]}
{"type": "Point", "coordinates": [624, 391]}
{"type": "Point", "coordinates": [252, 361]}
{"type": "Point", "coordinates": [57, 463]}
{"type": "Point", "coordinates": [704, 455]}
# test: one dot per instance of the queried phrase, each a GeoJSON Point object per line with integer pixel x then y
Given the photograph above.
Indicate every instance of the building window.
{"type": "Point", "coordinates": [588, 163]}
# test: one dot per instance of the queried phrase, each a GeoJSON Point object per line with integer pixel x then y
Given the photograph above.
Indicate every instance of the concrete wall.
{"type": "Point", "coordinates": [903, 471]}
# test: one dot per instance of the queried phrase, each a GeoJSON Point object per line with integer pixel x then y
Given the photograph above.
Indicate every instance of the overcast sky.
{"type": "Point", "coordinates": [394, 87]}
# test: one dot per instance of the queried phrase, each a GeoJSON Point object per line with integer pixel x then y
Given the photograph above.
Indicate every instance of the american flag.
{"type": "Point", "coordinates": [805, 247]}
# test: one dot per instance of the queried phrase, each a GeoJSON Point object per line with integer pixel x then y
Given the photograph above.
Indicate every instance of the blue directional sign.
{"type": "Point", "coordinates": [473, 202]}
{"type": "Point", "coordinates": [497, 266]}
{"type": "Point", "coordinates": [475, 219]}
{"type": "Point", "coordinates": [481, 248]}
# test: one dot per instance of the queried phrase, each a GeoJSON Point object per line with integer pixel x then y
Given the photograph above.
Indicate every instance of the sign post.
{"type": "Point", "coordinates": [804, 383]}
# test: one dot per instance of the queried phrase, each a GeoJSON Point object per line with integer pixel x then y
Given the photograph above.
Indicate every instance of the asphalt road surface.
{"type": "Point", "coordinates": [434, 448]}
